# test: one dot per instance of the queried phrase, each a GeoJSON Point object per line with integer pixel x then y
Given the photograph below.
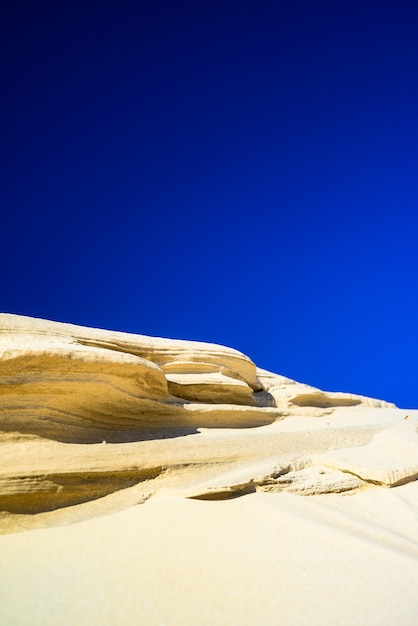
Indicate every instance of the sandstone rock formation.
{"type": "Point", "coordinates": [161, 405]}
{"type": "Point", "coordinates": [77, 384]}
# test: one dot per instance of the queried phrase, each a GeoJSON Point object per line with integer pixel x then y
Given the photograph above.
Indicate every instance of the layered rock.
{"type": "Point", "coordinates": [72, 383]}
{"type": "Point", "coordinates": [64, 386]}
{"type": "Point", "coordinates": [77, 384]}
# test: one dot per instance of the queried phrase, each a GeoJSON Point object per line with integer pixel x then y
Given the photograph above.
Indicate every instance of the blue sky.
{"type": "Point", "coordinates": [237, 172]}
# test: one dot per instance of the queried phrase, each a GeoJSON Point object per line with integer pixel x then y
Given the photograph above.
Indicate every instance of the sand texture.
{"type": "Point", "coordinates": [164, 482]}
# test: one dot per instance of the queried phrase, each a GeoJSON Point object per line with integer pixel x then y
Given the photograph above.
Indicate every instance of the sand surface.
{"type": "Point", "coordinates": [149, 481]}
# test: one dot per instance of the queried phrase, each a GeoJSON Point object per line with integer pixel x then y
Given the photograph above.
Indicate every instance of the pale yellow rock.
{"type": "Point", "coordinates": [160, 351]}
{"type": "Point", "coordinates": [163, 482]}
{"type": "Point", "coordinates": [289, 393]}
{"type": "Point", "coordinates": [210, 387]}
{"type": "Point", "coordinates": [77, 384]}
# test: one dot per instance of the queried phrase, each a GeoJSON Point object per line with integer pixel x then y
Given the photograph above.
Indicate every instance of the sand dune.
{"type": "Point", "coordinates": [156, 481]}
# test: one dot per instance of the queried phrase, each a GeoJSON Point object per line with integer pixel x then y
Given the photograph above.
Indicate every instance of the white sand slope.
{"type": "Point", "coordinates": [153, 481]}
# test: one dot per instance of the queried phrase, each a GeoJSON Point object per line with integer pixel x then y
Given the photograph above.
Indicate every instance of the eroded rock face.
{"type": "Point", "coordinates": [64, 386]}
{"type": "Point", "coordinates": [289, 394]}
{"type": "Point", "coordinates": [72, 383]}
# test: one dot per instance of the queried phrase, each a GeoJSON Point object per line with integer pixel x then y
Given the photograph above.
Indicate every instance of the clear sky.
{"type": "Point", "coordinates": [244, 173]}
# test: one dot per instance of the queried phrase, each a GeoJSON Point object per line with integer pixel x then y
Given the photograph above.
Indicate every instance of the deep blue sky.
{"type": "Point", "coordinates": [238, 172]}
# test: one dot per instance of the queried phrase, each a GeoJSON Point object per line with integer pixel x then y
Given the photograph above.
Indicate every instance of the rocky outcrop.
{"type": "Point", "coordinates": [288, 393]}
{"type": "Point", "coordinates": [78, 384]}
{"type": "Point", "coordinates": [71, 383]}
{"type": "Point", "coordinates": [66, 390]}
